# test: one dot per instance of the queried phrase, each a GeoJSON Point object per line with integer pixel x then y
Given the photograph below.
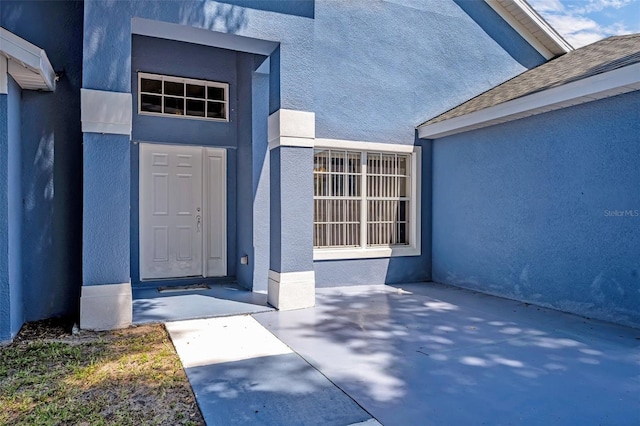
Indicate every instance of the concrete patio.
{"type": "Point", "coordinates": [418, 354]}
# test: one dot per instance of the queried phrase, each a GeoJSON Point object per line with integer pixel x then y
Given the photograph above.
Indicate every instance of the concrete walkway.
{"type": "Point", "coordinates": [424, 354]}
{"type": "Point", "coordinates": [218, 300]}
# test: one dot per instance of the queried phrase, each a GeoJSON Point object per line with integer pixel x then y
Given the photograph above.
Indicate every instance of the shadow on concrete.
{"type": "Point", "coordinates": [432, 354]}
{"type": "Point", "coordinates": [150, 305]}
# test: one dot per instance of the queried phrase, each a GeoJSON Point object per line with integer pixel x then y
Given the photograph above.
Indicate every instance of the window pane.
{"type": "Point", "coordinates": [195, 108]}
{"type": "Point", "coordinates": [320, 235]}
{"type": "Point", "coordinates": [337, 185]}
{"type": "Point", "coordinates": [320, 211]}
{"type": "Point", "coordinates": [194, 91]}
{"type": "Point", "coordinates": [321, 185]}
{"type": "Point", "coordinates": [403, 162]}
{"type": "Point", "coordinates": [215, 93]}
{"type": "Point", "coordinates": [150, 86]}
{"type": "Point", "coordinates": [337, 161]}
{"type": "Point", "coordinates": [388, 164]}
{"type": "Point", "coordinates": [373, 163]}
{"type": "Point", "coordinates": [173, 106]}
{"type": "Point", "coordinates": [150, 103]}
{"type": "Point", "coordinates": [402, 234]}
{"type": "Point", "coordinates": [320, 161]}
{"type": "Point", "coordinates": [353, 162]}
{"type": "Point", "coordinates": [173, 88]}
{"type": "Point", "coordinates": [403, 189]}
{"type": "Point", "coordinates": [216, 110]}
{"type": "Point", "coordinates": [402, 211]}
{"type": "Point", "coordinates": [353, 185]}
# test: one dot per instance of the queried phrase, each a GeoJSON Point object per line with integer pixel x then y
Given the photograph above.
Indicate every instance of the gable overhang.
{"type": "Point", "coordinates": [531, 26]}
{"type": "Point", "coordinates": [600, 86]}
{"type": "Point", "coordinates": [26, 63]}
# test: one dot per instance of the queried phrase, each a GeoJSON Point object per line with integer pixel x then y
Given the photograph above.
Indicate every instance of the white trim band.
{"type": "Point", "coordinates": [601, 86]}
{"type": "Point", "coordinates": [287, 127]}
{"type": "Point", "coordinates": [291, 290]}
{"type": "Point", "coordinates": [365, 146]}
{"type": "Point", "coordinates": [28, 64]}
{"type": "Point", "coordinates": [105, 112]}
{"type": "Point", "coordinates": [106, 307]}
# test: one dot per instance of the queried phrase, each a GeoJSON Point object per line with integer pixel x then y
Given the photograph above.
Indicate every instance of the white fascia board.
{"type": "Point", "coordinates": [4, 80]}
{"type": "Point", "coordinates": [170, 31]}
{"type": "Point", "coordinates": [34, 70]}
{"type": "Point", "coordinates": [547, 41]}
{"type": "Point", "coordinates": [589, 89]}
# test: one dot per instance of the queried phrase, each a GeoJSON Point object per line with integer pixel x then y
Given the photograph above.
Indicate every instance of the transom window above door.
{"type": "Point", "coordinates": [182, 97]}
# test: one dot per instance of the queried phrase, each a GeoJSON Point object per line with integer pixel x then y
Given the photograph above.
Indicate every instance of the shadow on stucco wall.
{"type": "Point", "coordinates": [51, 138]}
{"type": "Point", "coordinates": [502, 33]}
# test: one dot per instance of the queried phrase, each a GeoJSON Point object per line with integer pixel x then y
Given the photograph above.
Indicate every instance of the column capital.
{"type": "Point", "coordinates": [288, 127]}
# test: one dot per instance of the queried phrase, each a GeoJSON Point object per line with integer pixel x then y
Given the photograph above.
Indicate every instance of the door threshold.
{"type": "Point", "coordinates": [175, 289]}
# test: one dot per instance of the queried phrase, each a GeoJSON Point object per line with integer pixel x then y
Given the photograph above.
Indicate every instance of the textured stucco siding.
{"type": "Point", "coordinates": [14, 206]}
{"type": "Point", "coordinates": [381, 68]}
{"type": "Point", "coordinates": [105, 236]}
{"type": "Point", "coordinates": [369, 70]}
{"type": "Point", "coordinates": [5, 291]}
{"type": "Point", "coordinates": [526, 209]}
{"type": "Point", "coordinates": [51, 160]}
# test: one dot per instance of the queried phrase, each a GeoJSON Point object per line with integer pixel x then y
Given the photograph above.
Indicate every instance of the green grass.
{"type": "Point", "coordinates": [126, 377]}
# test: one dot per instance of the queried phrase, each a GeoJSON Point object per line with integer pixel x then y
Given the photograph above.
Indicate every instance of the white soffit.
{"type": "Point", "coordinates": [27, 63]}
{"type": "Point", "coordinates": [535, 30]}
{"type": "Point", "coordinates": [600, 86]}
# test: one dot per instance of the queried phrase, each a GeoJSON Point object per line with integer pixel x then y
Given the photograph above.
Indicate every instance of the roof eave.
{"type": "Point", "coordinates": [612, 83]}
{"type": "Point", "coordinates": [531, 26]}
{"type": "Point", "coordinates": [27, 64]}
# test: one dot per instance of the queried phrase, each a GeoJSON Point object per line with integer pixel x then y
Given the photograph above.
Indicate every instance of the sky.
{"type": "Point", "coordinates": [583, 22]}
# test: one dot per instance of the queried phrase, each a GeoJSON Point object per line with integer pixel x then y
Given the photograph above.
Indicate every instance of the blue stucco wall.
{"type": "Point", "coordinates": [396, 64]}
{"type": "Point", "coordinates": [14, 206]}
{"type": "Point", "coordinates": [107, 48]}
{"type": "Point", "coordinates": [524, 210]}
{"type": "Point", "coordinates": [105, 236]}
{"type": "Point", "coordinates": [291, 209]}
{"type": "Point", "coordinates": [383, 67]}
{"type": "Point", "coordinates": [259, 262]}
{"type": "Point", "coordinates": [51, 160]}
{"type": "Point", "coordinates": [370, 70]}
{"type": "Point", "coordinates": [168, 57]}
{"type": "Point", "coordinates": [5, 290]}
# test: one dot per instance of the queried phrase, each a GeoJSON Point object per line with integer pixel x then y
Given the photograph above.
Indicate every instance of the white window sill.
{"type": "Point", "coordinates": [359, 253]}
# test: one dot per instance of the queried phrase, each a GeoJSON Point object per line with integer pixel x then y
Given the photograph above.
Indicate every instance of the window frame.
{"type": "Point", "coordinates": [414, 231]}
{"type": "Point", "coordinates": [184, 80]}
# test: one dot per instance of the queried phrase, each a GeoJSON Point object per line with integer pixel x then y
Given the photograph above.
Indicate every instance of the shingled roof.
{"type": "Point", "coordinates": [597, 58]}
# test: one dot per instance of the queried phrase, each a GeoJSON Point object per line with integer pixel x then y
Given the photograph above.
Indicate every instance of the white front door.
{"type": "Point", "coordinates": [182, 211]}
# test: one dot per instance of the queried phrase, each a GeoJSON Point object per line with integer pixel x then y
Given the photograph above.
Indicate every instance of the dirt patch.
{"type": "Point", "coordinates": [50, 375]}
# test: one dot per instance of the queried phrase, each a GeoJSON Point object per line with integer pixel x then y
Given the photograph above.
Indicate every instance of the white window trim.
{"type": "Point", "coordinates": [415, 231]}
{"type": "Point", "coordinates": [206, 83]}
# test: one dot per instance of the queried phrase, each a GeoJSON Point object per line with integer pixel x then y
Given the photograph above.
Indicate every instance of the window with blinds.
{"type": "Point", "coordinates": [361, 199]}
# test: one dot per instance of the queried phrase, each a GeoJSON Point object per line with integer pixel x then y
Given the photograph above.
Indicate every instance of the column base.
{"type": "Point", "coordinates": [292, 290]}
{"type": "Point", "coordinates": [106, 307]}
